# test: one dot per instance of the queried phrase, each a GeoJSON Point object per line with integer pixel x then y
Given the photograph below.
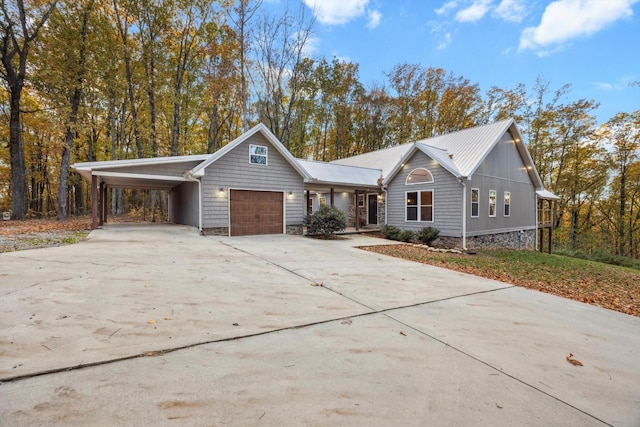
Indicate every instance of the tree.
{"type": "Point", "coordinates": [20, 27]}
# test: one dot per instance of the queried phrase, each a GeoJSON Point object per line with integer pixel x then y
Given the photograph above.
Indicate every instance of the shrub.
{"type": "Point", "coordinates": [406, 236]}
{"type": "Point", "coordinates": [390, 232]}
{"type": "Point", "coordinates": [325, 221]}
{"type": "Point", "coordinates": [427, 235]}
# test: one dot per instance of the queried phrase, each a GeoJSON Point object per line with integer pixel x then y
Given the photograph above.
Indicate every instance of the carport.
{"type": "Point", "coordinates": [138, 174]}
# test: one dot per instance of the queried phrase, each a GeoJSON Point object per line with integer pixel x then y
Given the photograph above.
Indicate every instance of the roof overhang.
{"type": "Point", "coordinates": [138, 180]}
{"type": "Point", "coordinates": [545, 194]}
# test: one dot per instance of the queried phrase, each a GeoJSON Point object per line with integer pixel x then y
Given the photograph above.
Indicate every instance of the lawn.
{"type": "Point", "coordinates": [604, 285]}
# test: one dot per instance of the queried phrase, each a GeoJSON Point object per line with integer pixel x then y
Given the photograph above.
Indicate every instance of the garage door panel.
{"type": "Point", "coordinates": [256, 212]}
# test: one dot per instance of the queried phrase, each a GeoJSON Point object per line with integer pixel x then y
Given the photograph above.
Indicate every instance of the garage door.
{"type": "Point", "coordinates": [256, 212]}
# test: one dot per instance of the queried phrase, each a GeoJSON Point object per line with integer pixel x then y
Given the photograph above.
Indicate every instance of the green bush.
{"type": "Point", "coordinates": [325, 221]}
{"type": "Point", "coordinates": [390, 232]}
{"type": "Point", "coordinates": [406, 236]}
{"type": "Point", "coordinates": [427, 235]}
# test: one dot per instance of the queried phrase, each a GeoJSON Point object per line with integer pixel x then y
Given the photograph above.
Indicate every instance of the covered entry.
{"type": "Point", "coordinates": [256, 212]}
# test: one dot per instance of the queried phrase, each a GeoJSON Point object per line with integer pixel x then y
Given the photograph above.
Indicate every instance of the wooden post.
{"type": "Point", "coordinates": [541, 239]}
{"type": "Point", "coordinates": [104, 203]}
{"type": "Point", "coordinates": [550, 236]}
{"type": "Point", "coordinates": [331, 196]}
{"type": "Point", "coordinates": [94, 202]}
{"type": "Point", "coordinates": [357, 220]}
{"type": "Point", "coordinates": [308, 199]}
{"type": "Point", "coordinates": [101, 204]}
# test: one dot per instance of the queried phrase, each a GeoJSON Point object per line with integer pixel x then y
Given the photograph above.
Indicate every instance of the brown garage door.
{"type": "Point", "coordinates": [256, 212]}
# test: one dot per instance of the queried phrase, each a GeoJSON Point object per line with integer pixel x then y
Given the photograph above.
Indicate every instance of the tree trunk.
{"type": "Point", "coordinates": [16, 152]}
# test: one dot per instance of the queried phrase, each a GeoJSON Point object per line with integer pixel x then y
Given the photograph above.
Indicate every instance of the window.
{"type": "Point", "coordinates": [361, 200]}
{"type": "Point", "coordinates": [507, 203]}
{"type": "Point", "coordinates": [475, 202]}
{"type": "Point", "coordinates": [323, 201]}
{"type": "Point", "coordinates": [257, 154]}
{"type": "Point", "coordinates": [420, 204]}
{"type": "Point", "coordinates": [419, 176]}
{"type": "Point", "coordinates": [492, 202]}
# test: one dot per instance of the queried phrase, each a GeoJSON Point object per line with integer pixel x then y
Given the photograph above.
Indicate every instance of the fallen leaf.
{"type": "Point", "coordinates": [151, 322]}
{"type": "Point", "coordinates": [498, 406]}
{"type": "Point", "coordinates": [168, 318]}
{"type": "Point", "coordinates": [236, 324]}
{"type": "Point", "coordinates": [347, 322]}
{"type": "Point", "coordinates": [573, 361]}
{"type": "Point", "coordinates": [402, 333]}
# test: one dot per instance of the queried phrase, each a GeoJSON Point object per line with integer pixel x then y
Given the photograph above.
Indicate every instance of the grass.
{"type": "Point", "coordinates": [609, 286]}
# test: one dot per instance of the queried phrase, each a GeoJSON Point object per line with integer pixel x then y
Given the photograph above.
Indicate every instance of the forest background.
{"type": "Point", "coordinates": [89, 80]}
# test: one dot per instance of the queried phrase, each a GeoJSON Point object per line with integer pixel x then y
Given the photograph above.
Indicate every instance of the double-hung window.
{"type": "Point", "coordinates": [420, 206]}
{"type": "Point", "coordinates": [475, 202]}
{"type": "Point", "coordinates": [507, 203]}
{"type": "Point", "coordinates": [492, 203]}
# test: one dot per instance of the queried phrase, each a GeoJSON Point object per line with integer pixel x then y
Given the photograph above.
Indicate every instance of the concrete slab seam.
{"type": "Point", "coordinates": [489, 365]}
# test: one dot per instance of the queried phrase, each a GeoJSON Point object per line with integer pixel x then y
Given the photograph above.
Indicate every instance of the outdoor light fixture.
{"type": "Point", "coordinates": [221, 190]}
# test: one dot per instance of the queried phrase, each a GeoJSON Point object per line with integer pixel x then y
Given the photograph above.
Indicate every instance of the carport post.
{"type": "Point", "coordinates": [103, 197]}
{"type": "Point", "coordinates": [94, 202]}
{"type": "Point", "coordinates": [357, 221]}
{"type": "Point", "coordinates": [331, 196]}
{"type": "Point", "coordinates": [101, 204]}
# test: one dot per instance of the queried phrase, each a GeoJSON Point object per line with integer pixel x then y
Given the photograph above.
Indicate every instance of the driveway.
{"type": "Point", "coordinates": [156, 325]}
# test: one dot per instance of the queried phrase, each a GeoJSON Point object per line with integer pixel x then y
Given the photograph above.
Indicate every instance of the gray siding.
{"type": "Point", "coordinates": [184, 204]}
{"type": "Point", "coordinates": [167, 169]}
{"type": "Point", "coordinates": [233, 171]}
{"type": "Point", "coordinates": [447, 198]}
{"type": "Point", "coordinates": [502, 170]}
{"type": "Point", "coordinates": [341, 200]}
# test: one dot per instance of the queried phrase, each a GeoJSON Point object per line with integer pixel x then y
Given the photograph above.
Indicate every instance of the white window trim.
{"type": "Point", "coordinates": [478, 203]}
{"type": "Point", "coordinates": [495, 203]}
{"type": "Point", "coordinates": [266, 155]}
{"type": "Point", "coordinates": [505, 204]}
{"type": "Point", "coordinates": [406, 181]}
{"type": "Point", "coordinates": [419, 205]}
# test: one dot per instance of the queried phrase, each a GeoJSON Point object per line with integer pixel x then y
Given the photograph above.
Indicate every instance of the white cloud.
{"type": "Point", "coordinates": [475, 12]}
{"type": "Point", "coordinates": [564, 20]}
{"type": "Point", "coordinates": [335, 12]}
{"type": "Point", "coordinates": [445, 42]}
{"type": "Point", "coordinates": [374, 19]}
{"type": "Point", "coordinates": [447, 7]}
{"type": "Point", "coordinates": [511, 10]}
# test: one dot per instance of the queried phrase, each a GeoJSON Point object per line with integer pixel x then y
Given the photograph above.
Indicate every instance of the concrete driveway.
{"type": "Point", "coordinates": [155, 325]}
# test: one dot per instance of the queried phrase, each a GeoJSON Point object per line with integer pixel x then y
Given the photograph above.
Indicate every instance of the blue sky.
{"type": "Point", "coordinates": [592, 44]}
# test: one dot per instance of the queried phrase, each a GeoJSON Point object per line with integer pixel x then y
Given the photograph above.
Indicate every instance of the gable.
{"type": "Point", "coordinates": [505, 161]}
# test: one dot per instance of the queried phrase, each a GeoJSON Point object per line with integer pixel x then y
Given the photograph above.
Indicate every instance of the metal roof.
{"type": "Point", "coordinates": [332, 173]}
{"type": "Point", "coordinates": [465, 150]}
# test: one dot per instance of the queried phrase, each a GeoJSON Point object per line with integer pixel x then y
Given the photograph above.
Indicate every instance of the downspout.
{"type": "Point", "coordinates": [464, 213]}
{"type": "Point", "coordinates": [192, 179]}
{"type": "Point", "coordinates": [537, 224]}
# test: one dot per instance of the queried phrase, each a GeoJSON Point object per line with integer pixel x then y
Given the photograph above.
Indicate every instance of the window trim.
{"type": "Point", "coordinates": [419, 205]}
{"type": "Point", "coordinates": [495, 199]}
{"type": "Point", "coordinates": [477, 215]}
{"type": "Point", "coordinates": [507, 204]}
{"type": "Point", "coordinates": [406, 181]}
{"type": "Point", "coordinates": [252, 154]}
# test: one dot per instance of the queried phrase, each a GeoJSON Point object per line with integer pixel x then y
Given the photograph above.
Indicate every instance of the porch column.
{"type": "Point", "coordinates": [101, 204]}
{"type": "Point", "coordinates": [308, 199]}
{"type": "Point", "coordinates": [357, 220]}
{"type": "Point", "coordinates": [331, 196]}
{"type": "Point", "coordinates": [94, 202]}
{"type": "Point", "coordinates": [550, 236]}
{"type": "Point", "coordinates": [104, 203]}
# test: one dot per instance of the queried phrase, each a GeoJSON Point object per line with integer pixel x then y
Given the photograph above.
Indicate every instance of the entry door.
{"type": "Point", "coordinates": [373, 208]}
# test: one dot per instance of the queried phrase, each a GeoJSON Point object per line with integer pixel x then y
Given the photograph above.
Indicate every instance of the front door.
{"type": "Point", "coordinates": [373, 208]}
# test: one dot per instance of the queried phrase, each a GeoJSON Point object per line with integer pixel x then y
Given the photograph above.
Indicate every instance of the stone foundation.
{"type": "Point", "coordinates": [294, 229]}
{"type": "Point", "coordinates": [448, 242]}
{"type": "Point", "coordinates": [518, 240]}
{"type": "Point", "coordinates": [215, 231]}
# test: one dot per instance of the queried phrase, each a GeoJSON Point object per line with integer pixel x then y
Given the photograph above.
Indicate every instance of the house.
{"type": "Point", "coordinates": [478, 186]}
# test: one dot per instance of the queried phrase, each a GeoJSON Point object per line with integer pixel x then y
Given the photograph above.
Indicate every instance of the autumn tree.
{"type": "Point", "coordinates": [19, 26]}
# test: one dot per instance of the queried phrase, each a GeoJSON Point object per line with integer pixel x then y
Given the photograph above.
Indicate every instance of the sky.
{"type": "Point", "coordinates": [594, 45]}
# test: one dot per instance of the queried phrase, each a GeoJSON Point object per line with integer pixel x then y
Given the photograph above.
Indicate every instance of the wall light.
{"type": "Point", "coordinates": [221, 190]}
